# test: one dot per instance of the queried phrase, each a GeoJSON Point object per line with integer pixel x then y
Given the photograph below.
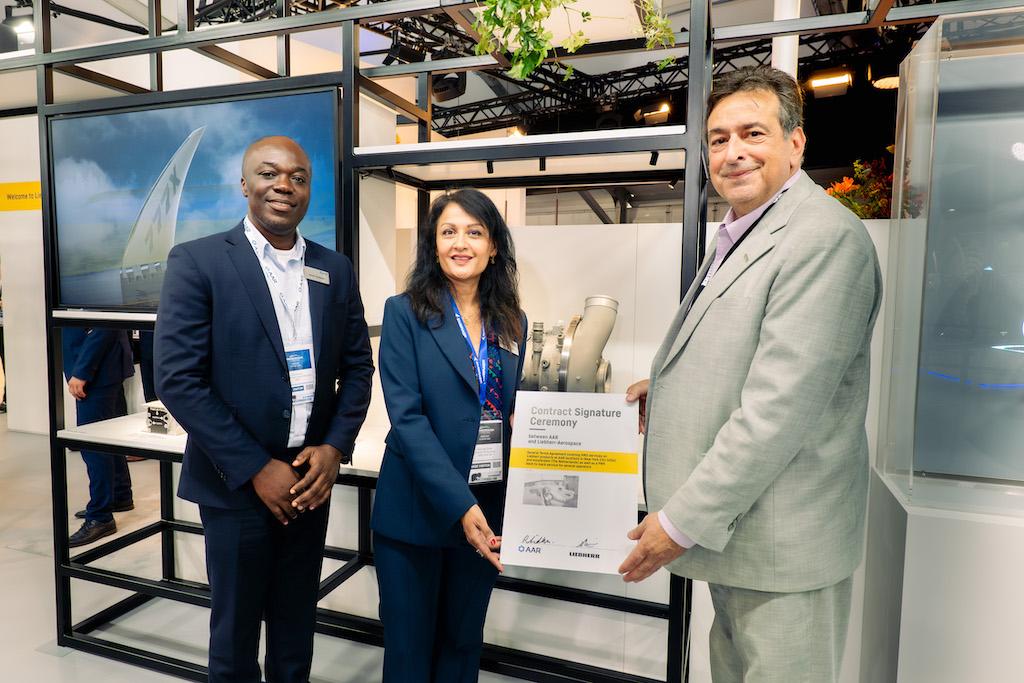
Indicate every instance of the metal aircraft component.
{"type": "Point", "coordinates": [568, 358]}
{"type": "Point", "coordinates": [160, 421]}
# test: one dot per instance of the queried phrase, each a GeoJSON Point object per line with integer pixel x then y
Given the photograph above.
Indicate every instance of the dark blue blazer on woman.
{"type": "Point", "coordinates": [431, 392]}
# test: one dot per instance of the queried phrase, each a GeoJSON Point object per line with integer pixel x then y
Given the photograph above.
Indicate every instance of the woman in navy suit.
{"type": "Point", "coordinates": [450, 362]}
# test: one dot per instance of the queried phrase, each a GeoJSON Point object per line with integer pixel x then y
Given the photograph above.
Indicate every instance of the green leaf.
{"type": "Point", "coordinates": [575, 41]}
{"type": "Point", "coordinates": [516, 71]}
{"type": "Point", "coordinates": [521, 22]}
{"type": "Point", "coordinates": [569, 71]}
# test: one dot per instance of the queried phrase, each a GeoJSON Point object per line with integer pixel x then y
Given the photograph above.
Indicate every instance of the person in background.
{"type": "Point", "coordinates": [96, 364]}
{"type": "Point", "coordinates": [451, 360]}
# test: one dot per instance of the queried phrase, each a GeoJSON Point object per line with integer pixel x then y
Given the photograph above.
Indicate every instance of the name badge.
{"type": "Point", "coordinates": [317, 275]}
{"type": "Point", "coordinates": [487, 465]}
{"type": "Point", "coordinates": [299, 357]}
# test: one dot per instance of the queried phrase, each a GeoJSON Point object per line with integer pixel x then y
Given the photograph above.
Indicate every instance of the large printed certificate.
{"type": "Point", "coordinates": [572, 483]}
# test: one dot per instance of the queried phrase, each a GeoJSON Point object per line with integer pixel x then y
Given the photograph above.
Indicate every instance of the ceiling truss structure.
{"type": "Point", "coordinates": [605, 91]}
{"type": "Point", "coordinates": [228, 11]}
{"type": "Point", "coordinates": [549, 92]}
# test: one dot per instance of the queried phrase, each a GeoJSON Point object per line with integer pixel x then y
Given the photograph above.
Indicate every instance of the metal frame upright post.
{"type": "Point", "coordinates": [695, 178]}
{"type": "Point", "coordinates": [349, 238]}
{"type": "Point", "coordinates": [696, 174]}
{"type": "Point", "coordinates": [58, 464]}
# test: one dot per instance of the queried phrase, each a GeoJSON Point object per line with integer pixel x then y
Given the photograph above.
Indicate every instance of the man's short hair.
{"type": "Point", "coordinates": [748, 78]}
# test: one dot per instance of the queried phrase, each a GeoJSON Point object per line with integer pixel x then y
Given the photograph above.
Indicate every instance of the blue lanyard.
{"type": "Point", "coordinates": [479, 358]}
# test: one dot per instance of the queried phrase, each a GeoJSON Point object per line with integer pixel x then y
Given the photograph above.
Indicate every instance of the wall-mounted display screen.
{"type": "Point", "coordinates": [128, 186]}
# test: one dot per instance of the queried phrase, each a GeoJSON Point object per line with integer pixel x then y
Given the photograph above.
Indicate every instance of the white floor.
{"type": "Point", "coordinates": [28, 650]}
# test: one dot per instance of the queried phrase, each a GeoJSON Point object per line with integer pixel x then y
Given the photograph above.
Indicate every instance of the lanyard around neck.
{"type": "Point", "coordinates": [479, 357]}
{"type": "Point", "coordinates": [291, 312]}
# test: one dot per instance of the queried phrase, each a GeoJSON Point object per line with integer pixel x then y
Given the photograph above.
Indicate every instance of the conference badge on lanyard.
{"type": "Point", "coordinates": [487, 455]}
{"type": "Point", "coordinates": [487, 460]}
{"type": "Point", "coordinates": [299, 357]}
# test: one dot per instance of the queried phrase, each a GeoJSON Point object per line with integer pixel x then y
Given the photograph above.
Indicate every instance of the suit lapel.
{"type": "Point", "coordinates": [254, 283]}
{"type": "Point", "coordinates": [509, 366]}
{"type": "Point", "coordinates": [752, 248]}
{"type": "Point", "coordinates": [317, 298]}
{"type": "Point", "coordinates": [757, 244]}
{"type": "Point", "coordinates": [677, 322]}
{"type": "Point", "coordinates": [453, 346]}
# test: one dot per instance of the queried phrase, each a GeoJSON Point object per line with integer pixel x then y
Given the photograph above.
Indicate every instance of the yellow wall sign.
{"type": "Point", "coordinates": [21, 197]}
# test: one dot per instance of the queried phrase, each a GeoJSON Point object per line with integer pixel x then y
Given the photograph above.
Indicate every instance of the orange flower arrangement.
{"type": "Point", "coordinates": [842, 186]}
{"type": "Point", "coordinates": [869, 192]}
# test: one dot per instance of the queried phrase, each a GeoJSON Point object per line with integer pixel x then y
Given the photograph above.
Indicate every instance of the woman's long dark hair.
{"type": "Point", "coordinates": [428, 287]}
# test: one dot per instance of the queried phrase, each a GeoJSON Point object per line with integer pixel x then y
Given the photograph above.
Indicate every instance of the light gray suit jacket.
{"type": "Point", "coordinates": [756, 447]}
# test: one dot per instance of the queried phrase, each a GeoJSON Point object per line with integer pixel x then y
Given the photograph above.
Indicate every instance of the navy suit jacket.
{"type": "Point", "coordinates": [220, 366]}
{"type": "Point", "coordinates": [99, 357]}
{"type": "Point", "coordinates": [431, 392]}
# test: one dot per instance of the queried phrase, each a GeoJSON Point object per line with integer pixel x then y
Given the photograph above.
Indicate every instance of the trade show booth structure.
{"type": "Point", "coordinates": [110, 220]}
{"type": "Point", "coordinates": [124, 178]}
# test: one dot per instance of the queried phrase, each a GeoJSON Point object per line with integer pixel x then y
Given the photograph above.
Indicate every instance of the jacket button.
{"type": "Point", "coordinates": [286, 414]}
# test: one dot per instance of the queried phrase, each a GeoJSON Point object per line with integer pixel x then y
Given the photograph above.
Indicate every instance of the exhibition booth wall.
{"type": "Point", "coordinates": [916, 620]}
{"type": "Point", "coordinates": [560, 265]}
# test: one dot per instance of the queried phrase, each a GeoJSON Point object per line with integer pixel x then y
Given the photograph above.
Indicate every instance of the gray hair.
{"type": "Point", "coordinates": [765, 78]}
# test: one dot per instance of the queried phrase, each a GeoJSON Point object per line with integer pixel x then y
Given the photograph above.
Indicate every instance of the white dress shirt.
{"type": "Point", "coordinates": [289, 290]}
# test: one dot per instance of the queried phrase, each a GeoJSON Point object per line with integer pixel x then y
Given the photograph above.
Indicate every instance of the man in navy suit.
{"type": "Point", "coordinates": [263, 356]}
{"type": "Point", "coordinates": [96, 363]}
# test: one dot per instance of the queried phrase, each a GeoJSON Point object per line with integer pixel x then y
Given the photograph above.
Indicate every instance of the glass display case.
{"type": "Point", "coordinates": [952, 424]}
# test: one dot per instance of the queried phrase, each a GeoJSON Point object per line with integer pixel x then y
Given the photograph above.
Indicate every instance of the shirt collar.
{"type": "Point", "coordinates": [263, 248]}
{"type": "Point", "coordinates": [736, 227]}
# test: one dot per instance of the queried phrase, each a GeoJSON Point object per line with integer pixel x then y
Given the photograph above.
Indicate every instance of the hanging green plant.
{"type": "Point", "coordinates": [521, 23]}
{"type": "Point", "coordinates": [657, 29]}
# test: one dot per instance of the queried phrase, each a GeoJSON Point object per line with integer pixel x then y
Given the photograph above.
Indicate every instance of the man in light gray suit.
{"type": "Point", "coordinates": [756, 453]}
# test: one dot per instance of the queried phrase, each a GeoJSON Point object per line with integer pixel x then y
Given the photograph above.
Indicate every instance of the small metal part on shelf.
{"type": "Point", "coordinates": [160, 421]}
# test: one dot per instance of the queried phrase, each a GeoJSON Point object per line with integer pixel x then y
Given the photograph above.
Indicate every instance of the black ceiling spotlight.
{"type": "Point", "coordinates": [608, 121]}
{"type": "Point", "coordinates": [884, 74]}
{"type": "Point", "coordinates": [653, 114]}
{"type": "Point", "coordinates": [449, 86]}
{"type": "Point", "coordinates": [15, 28]}
{"type": "Point", "coordinates": [399, 52]}
{"type": "Point", "coordinates": [8, 39]}
{"type": "Point", "coordinates": [830, 82]}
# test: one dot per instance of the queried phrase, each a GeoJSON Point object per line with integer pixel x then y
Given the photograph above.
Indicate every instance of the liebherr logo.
{"type": "Point", "coordinates": [576, 553]}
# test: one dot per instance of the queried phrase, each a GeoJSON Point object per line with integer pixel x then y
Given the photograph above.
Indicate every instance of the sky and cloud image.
{"type": "Point", "coordinates": [105, 167]}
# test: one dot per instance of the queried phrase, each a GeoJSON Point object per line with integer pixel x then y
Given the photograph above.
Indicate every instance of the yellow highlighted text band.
{"type": "Point", "coordinates": [20, 197]}
{"type": "Point", "coordinates": [581, 461]}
